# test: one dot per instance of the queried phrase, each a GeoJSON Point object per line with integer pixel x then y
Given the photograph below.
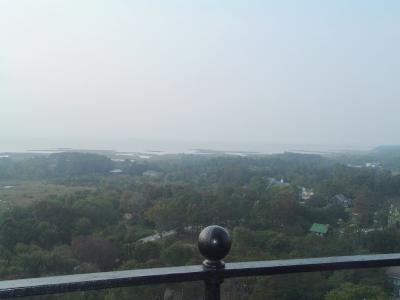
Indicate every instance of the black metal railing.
{"type": "Point", "coordinates": [214, 245]}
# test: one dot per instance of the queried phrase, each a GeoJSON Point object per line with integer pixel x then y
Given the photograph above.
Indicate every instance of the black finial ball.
{"type": "Point", "coordinates": [214, 243]}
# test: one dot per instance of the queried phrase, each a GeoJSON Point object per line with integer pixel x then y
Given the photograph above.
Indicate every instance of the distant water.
{"type": "Point", "coordinates": [164, 147]}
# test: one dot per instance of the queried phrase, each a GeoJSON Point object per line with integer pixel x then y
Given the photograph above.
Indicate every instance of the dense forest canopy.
{"type": "Point", "coordinates": [86, 212]}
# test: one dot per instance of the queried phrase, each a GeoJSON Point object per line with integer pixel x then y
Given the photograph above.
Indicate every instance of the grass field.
{"type": "Point", "coordinates": [25, 192]}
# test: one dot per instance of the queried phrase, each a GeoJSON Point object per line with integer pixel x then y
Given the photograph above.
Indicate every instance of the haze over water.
{"type": "Point", "coordinates": [174, 147]}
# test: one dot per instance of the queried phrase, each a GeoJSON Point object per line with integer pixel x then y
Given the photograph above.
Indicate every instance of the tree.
{"type": "Point", "coordinates": [146, 251]}
{"type": "Point", "coordinates": [96, 250]}
{"type": "Point", "coordinates": [178, 254]}
{"type": "Point", "coordinates": [350, 291]}
{"type": "Point", "coordinates": [365, 204]}
{"type": "Point", "coordinates": [32, 261]}
{"type": "Point", "coordinates": [386, 241]}
{"type": "Point", "coordinates": [279, 210]}
{"type": "Point", "coordinates": [166, 215]}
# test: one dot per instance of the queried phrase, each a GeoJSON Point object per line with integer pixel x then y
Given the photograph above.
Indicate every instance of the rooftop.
{"type": "Point", "coordinates": [319, 228]}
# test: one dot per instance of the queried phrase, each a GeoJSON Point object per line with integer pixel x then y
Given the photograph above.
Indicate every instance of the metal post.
{"type": "Point", "coordinates": [214, 244]}
{"type": "Point", "coordinates": [212, 288]}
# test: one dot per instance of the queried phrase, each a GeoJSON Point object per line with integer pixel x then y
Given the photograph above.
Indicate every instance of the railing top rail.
{"type": "Point", "coordinates": [288, 266]}
{"type": "Point", "coordinates": [95, 281]}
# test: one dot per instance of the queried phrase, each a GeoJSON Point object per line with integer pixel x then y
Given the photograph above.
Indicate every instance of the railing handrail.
{"type": "Point", "coordinates": [214, 244]}
{"type": "Point", "coordinates": [105, 280]}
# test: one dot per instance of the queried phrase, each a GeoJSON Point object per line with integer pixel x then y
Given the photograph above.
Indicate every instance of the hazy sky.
{"type": "Point", "coordinates": [320, 72]}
